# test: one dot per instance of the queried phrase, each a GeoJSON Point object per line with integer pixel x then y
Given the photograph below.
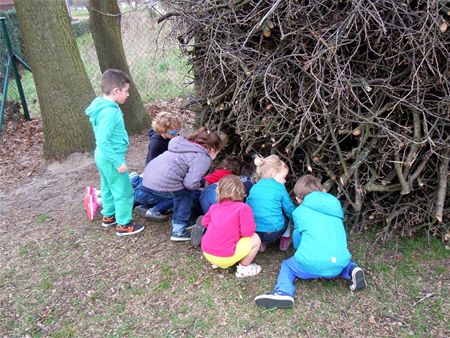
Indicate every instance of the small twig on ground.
{"type": "Point", "coordinates": [428, 295]}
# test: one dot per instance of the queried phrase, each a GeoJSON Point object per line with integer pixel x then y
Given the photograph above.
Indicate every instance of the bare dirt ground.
{"type": "Point", "coordinates": [63, 276]}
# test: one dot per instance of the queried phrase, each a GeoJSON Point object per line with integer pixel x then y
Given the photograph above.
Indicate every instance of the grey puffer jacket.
{"type": "Point", "coordinates": [181, 167]}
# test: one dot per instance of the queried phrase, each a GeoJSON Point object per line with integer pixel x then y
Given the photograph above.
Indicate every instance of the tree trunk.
{"type": "Point", "coordinates": [62, 85]}
{"type": "Point", "coordinates": [104, 23]}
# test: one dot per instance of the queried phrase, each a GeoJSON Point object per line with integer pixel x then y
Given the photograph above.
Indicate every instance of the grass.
{"type": "Point", "coordinates": [90, 283]}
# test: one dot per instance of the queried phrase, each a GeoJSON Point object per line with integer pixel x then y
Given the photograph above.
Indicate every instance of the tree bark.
{"type": "Point", "coordinates": [104, 23]}
{"type": "Point", "coordinates": [62, 85]}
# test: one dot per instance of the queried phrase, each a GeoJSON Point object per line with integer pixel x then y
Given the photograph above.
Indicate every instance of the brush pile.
{"type": "Point", "coordinates": [356, 92]}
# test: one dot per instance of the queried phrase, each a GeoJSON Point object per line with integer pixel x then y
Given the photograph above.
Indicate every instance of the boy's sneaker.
{"type": "Point", "coordinates": [276, 299]}
{"type": "Point", "coordinates": [108, 221]}
{"type": "Point", "coordinates": [91, 204]}
{"type": "Point", "coordinates": [358, 279]}
{"type": "Point", "coordinates": [214, 266]}
{"type": "Point", "coordinates": [180, 236]}
{"type": "Point", "coordinates": [129, 229]}
{"type": "Point", "coordinates": [285, 242]}
{"type": "Point", "coordinates": [197, 233]}
{"type": "Point", "coordinates": [247, 270]}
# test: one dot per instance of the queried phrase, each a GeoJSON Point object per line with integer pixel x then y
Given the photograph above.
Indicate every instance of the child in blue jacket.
{"type": "Point", "coordinates": [270, 202]}
{"type": "Point", "coordinates": [320, 242]}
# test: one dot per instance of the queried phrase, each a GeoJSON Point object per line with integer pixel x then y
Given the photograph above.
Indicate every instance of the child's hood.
{"type": "Point", "coordinates": [324, 203]}
{"type": "Point", "coordinates": [98, 104]}
{"type": "Point", "coordinates": [180, 145]}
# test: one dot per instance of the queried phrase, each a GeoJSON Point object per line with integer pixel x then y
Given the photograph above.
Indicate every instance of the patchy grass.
{"type": "Point", "coordinates": [88, 282]}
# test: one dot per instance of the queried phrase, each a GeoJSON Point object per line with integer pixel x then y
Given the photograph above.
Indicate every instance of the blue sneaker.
{"type": "Point", "coordinates": [275, 299]}
{"type": "Point", "coordinates": [180, 236]}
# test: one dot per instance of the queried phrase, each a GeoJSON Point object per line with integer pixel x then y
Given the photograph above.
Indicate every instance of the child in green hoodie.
{"type": "Point", "coordinates": [111, 140]}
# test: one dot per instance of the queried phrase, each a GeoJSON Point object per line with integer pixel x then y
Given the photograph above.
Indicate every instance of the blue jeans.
{"type": "Point", "coordinates": [290, 271]}
{"type": "Point", "coordinates": [185, 205]}
{"type": "Point", "coordinates": [269, 237]}
{"type": "Point", "coordinates": [157, 200]}
{"type": "Point", "coordinates": [208, 197]}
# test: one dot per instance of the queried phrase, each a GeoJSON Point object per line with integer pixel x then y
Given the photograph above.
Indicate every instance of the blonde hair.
{"type": "Point", "coordinates": [265, 167]}
{"type": "Point", "coordinates": [165, 121]}
{"type": "Point", "coordinates": [307, 184]}
{"type": "Point", "coordinates": [230, 187]}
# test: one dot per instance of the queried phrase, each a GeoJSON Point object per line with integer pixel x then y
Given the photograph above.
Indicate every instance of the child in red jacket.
{"type": "Point", "coordinates": [230, 235]}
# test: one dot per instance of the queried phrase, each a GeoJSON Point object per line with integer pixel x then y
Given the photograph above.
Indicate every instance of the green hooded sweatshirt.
{"type": "Point", "coordinates": [111, 138]}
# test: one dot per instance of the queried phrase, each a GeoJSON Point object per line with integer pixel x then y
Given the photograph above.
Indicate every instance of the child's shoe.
{"type": "Point", "coordinates": [129, 229]}
{"type": "Point", "coordinates": [109, 221]}
{"type": "Point", "coordinates": [180, 236]}
{"type": "Point", "coordinates": [247, 270]}
{"type": "Point", "coordinates": [276, 299]}
{"type": "Point", "coordinates": [262, 247]}
{"type": "Point", "coordinates": [197, 233]}
{"type": "Point", "coordinates": [150, 214]}
{"type": "Point", "coordinates": [285, 242]}
{"type": "Point", "coordinates": [91, 204]}
{"type": "Point", "coordinates": [358, 279]}
{"type": "Point", "coordinates": [214, 266]}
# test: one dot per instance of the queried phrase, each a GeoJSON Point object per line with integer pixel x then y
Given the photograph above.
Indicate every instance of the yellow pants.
{"type": "Point", "coordinates": [243, 248]}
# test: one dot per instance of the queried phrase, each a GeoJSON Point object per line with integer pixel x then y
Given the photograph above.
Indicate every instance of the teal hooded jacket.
{"type": "Point", "coordinates": [111, 138]}
{"type": "Point", "coordinates": [319, 236]}
{"type": "Point", "coordinates": [270, 203]}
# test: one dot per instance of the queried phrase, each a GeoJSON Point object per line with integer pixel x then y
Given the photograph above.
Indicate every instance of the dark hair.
{"type": "Point", "coordinates": [113, 78]}
{"type": "Point", "coordinates": [306, 184]}
{"type": "Point", "coordinates": [206, 138]}
{"type": "Point", "coordinates": [231, 163]}
{"type": "Point", "coordinates": [248, 169]}
{"type": "Point", "coordinates": [230, 187]}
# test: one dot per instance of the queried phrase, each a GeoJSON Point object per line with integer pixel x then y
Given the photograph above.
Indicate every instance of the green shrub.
{"type": "Point", "coordinates": [80, 27]}
{"type": "Point", "coordinates": [12, 26]}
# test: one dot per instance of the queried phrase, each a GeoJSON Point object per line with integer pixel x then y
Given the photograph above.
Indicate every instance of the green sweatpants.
{"type": "Point", "coordinates": [117, 191]}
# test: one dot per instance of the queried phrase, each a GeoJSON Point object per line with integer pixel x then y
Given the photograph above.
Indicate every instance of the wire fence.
{"type": "Point", "coordinates": [156, 64]}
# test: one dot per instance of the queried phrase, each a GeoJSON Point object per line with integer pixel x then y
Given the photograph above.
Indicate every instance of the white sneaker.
{"type": "Point", "coordinates": [247, 271]}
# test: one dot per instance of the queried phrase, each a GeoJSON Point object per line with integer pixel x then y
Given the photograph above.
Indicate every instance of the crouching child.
{"type": "Point", "coordinates": [321, 245]}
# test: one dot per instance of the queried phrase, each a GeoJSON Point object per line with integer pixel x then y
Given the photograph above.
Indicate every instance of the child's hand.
{"type": "Point", "coordinates": [122, 168]}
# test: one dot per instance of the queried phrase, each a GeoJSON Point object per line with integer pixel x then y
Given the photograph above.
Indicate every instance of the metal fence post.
{"type": "Point", "coordinates": [12, 62]}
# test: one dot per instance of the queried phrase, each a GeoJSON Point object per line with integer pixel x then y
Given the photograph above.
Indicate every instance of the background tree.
{"type": "Point", "coordinates": [62, 85]}
{"type": "Point", "coordinates": [104, 22]}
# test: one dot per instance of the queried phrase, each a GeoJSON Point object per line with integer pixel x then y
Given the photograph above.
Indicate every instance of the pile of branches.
{"type": "Point", "coordinates": [356, 92]}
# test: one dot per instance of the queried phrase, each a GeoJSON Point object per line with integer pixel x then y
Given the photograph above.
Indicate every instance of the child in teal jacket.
{"type": "Point", "coordinates": [111, 140]}
{"type": "Point", "coordinates": [320, 242]}
{"type": "Point", "coordinates": [270, 202]}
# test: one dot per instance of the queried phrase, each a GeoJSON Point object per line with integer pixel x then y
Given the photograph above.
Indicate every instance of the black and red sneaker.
{"type": "Point", "coordinates": [109, 221]}
{"type": "Point", "coordinates": [129, 229]}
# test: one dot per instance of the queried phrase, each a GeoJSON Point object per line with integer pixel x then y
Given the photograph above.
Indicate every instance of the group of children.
{"type": "Point", "coordinates": [241, 216]}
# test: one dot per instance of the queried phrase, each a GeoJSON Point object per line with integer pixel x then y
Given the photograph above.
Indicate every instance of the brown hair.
{"type": "Point", "coordinates": [165, 121]}
{"type": "Point", "coordinates": [306, 184]}
{"type": "Point", "coordinates": [265, 167]}
{"type": "Point", "coordinates": [230, 187]}
{"type": "Point", "coordinates": [206, 138]}
{"type": "Point", "coordinates": [113, 78]}
{"type": "Point", "coordinates": [248, 169]}
{"type": "Point", "coordinates": [232, 163]}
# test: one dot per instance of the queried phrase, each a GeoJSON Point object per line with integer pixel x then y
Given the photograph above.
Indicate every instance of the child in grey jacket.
{"type": "Point", "coordinates": [176, 174]}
